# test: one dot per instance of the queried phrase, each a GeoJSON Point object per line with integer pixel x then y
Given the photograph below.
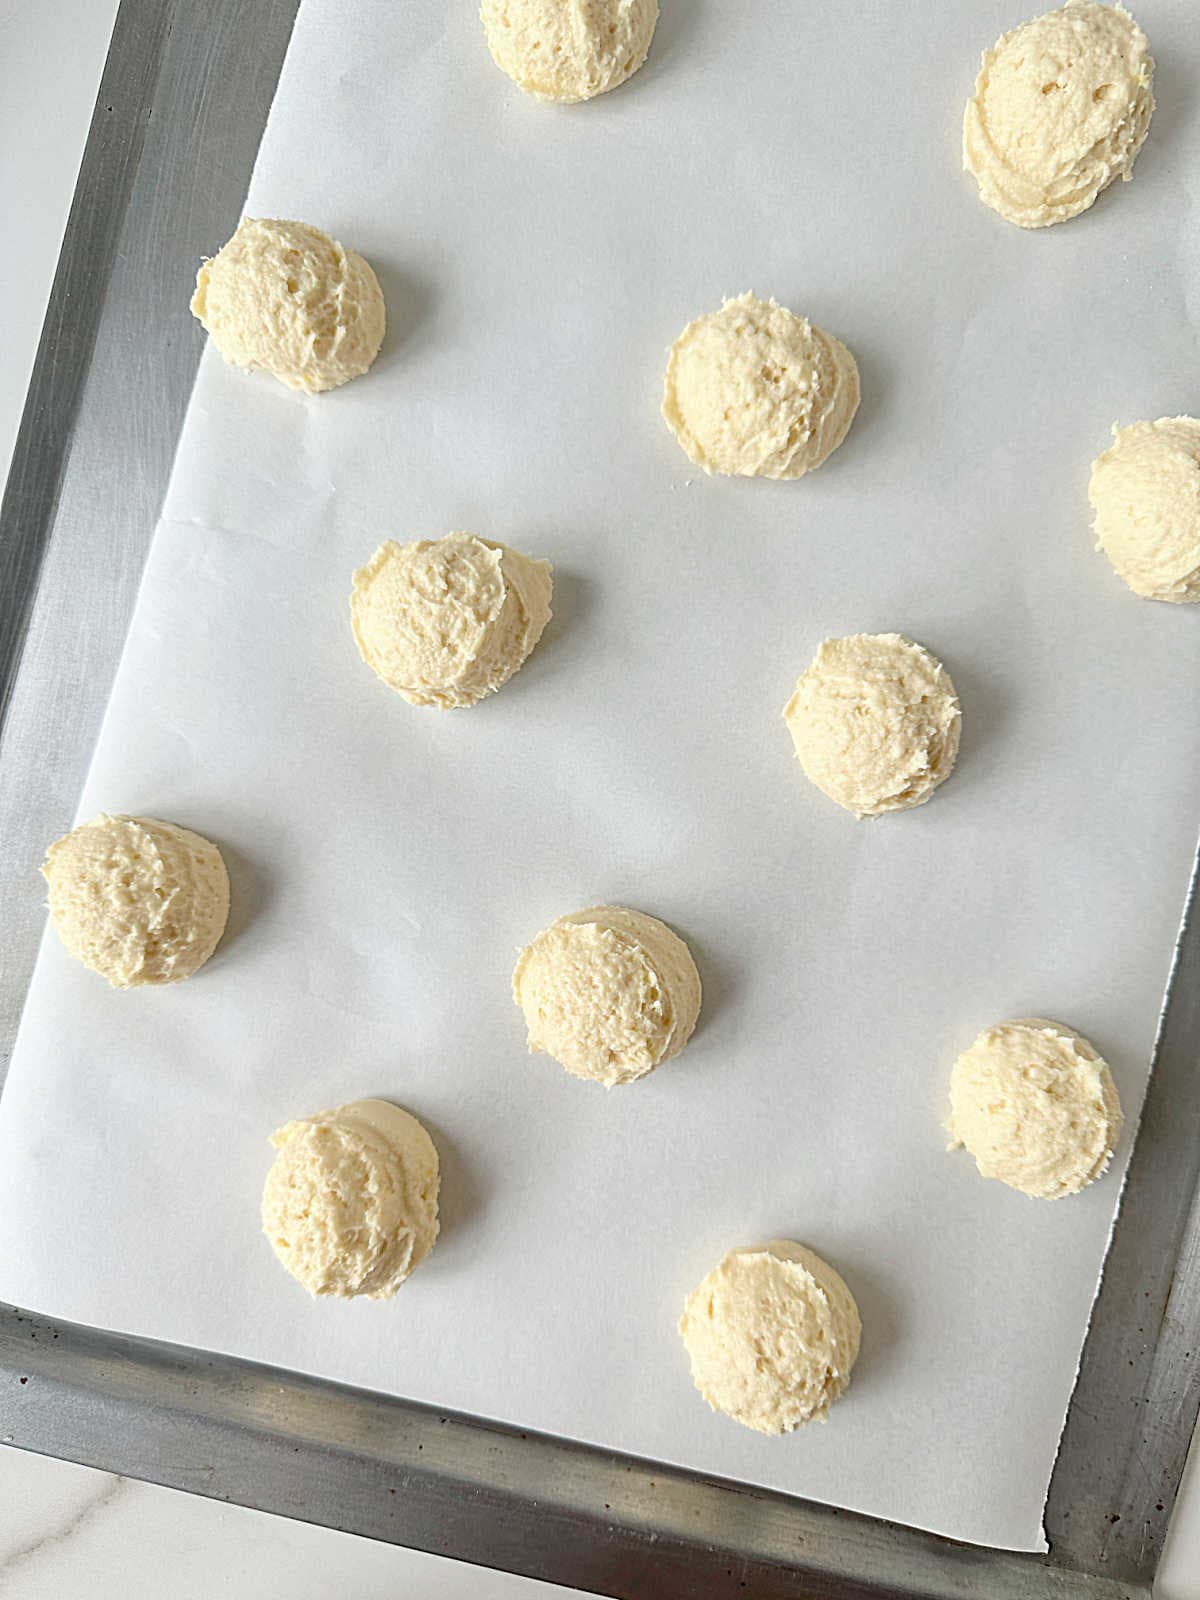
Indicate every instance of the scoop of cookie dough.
{"type": "Point", "coordinates": [351, 1202]}
{"type": "Point", "coordinates": [875, 722]}
{"type": "Point", "coordinates": [609, 993]}
{"type": "Point", "coordinates": [136, 900]}
{"type": "Point", "coordinates": [754, 391]}
{"type": "Point", "coordinates": [1036, 1105]}
{"type": "Point", "coordinates": [569, 50]}
{"type": "Point", "coordinates": [1061, 108]}
{"type": "Point", "coordinates": [1145, 491]}
{"type": "Point", "coordinates": [772, 1334]}
{"type": "Point", "coordinates": [445, 622]}
{"type": "Point", "coordinates": [286, 297]}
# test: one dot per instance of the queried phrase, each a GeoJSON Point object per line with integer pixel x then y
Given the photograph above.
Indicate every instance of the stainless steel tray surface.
{"type": "Point", "coordinates": [174, 135]}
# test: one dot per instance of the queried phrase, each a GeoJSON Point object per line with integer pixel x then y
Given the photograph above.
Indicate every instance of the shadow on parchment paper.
{"type": "Point", "coordinates": [718, 985]}
{"type": "Point", "coordinates": [876, 395]}
{"type": "Point", "coordinates": [986, 710]}
{"type": "Point", "coordinates": [250, 892]}
{"type": "Point", "coordinates": [881, 1351]}
{"type": "Point", "coordinates": [677, 21]}
{"type": "Point", "coordinates": [570, 603]}
{"type": "Point", "coordinates": [459, 1198]}
{"type": "Point", "coordinates": [411, 301]}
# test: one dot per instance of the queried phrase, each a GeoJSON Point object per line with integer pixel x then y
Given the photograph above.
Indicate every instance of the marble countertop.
{"type": "Point", "coordinates": [68, 1531]}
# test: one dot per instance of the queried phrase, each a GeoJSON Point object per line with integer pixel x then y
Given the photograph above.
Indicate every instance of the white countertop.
{"type": "Point", "coordinates": [67, 1530]}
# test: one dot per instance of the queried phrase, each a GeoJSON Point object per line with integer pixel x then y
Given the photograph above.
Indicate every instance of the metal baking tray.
{"type": "Point", "coordinates": [174, 135]}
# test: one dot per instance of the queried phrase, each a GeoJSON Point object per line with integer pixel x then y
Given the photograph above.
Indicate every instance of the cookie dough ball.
{"type": "Point", "coordinates": [286, 297]}
{"type": "Point", "coordinates": [569, 50]}
{"type": "Point", "coordinates": [1061, 108]}
{"type": "Point", "coordinates": [1145, 492]}
{"type": "Point", "coordinates": [754, 391]}
{"type": "Point", "coordinates": [136, 900]}
{"type": "Point", "coordinates": [875, 722]}
{"type": "Point", "coordinates": [351, 1202]}
{"type": "Point", "coordinates": [1036, 1106]}
{"type": "Point", "coordinates": [772, 1334]}
{"type": "Point", "coordinates": [445, 622]}
{"type": "Point", "coordinates": [609, 993]}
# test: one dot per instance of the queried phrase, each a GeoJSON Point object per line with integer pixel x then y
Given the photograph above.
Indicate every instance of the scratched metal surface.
{"type": "Point", "coordinates": [178, 120]}
{"type": "Point", "coordinates": [176, 128]}
{"type": "Point", "coordinates": [1131, 1417]}
{"type": "Point", "coordinates": [483, 1493]}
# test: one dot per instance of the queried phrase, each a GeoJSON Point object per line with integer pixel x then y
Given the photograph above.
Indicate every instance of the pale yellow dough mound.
{"type": "Point", "coordinates": [351, 1202]}
{"type": "Point", "coordinates": [445, 622]}
{"type": "Point", "coordinates": [1061, 108]}
{"type": "Point", "coordinates": [286, 297]}
{"type": "Point", "coordinates": [1145, 492]}
{"type": "Point", "coordinates": [772, 1334]}
{"type": "Point", "coordinates": [609, 993]}
{"type": "Point", "coordinates": [1036, 1106]}
{"type": "Point", "coordinates": [569, 50]}
{"type": "Point", "coordinates": [875, 722]}
{"type": "Point", "coordinates": [136, 900]}
{"type": "Point", "coordinates": [754, 391]}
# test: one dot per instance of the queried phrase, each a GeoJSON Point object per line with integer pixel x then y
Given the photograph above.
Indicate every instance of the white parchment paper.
{"type": "Point", "coordinates": [388, 862]}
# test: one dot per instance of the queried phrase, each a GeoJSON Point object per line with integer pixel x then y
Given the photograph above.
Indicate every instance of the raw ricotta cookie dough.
{"type": "Point", "coordinates": [286, 297]}
{"type": "Point", "coordinates": [1061, 108]}
{"type": "Point", "coordinates": [609, 993]}
{"type": "Point", "coordinates": [1036, 1106]}
{"type": "Point", "coordinates": [754, 391]}
{"type": "Point", "coordinates": [1145, 492]}
{"type": "Point", "coordinates": [569, 50]}
{"type": "Point", "coordinates": [875, 722]}
{"type": "Point", "coordinates": [351, 1202]}
{"type": "Point", "coordinates": [445, 622]}
{"type": "Point", "coordinates": [136, 900]}
{"type": "Point", "coordinates": [772, 1334]}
